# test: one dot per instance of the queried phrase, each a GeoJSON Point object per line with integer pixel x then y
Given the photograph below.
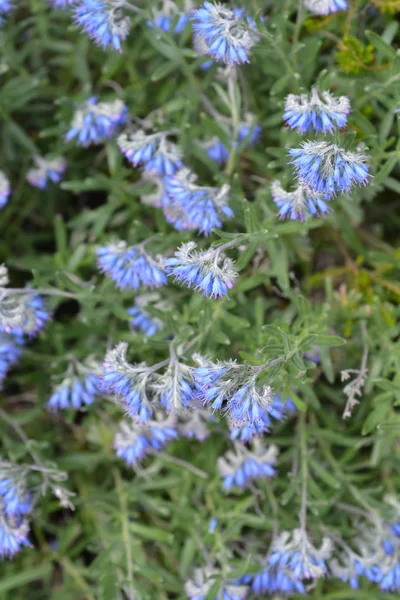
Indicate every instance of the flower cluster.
{"type": "Point", "coordinates": [293, 562]}
{"type": "Point", "coordinates": [131, 267]}
{"type": "Point", "coordinates": [129, 383]}
{"type": "Point", "coordinates": [324, 169]}
{"type": "Point", "coordinates": [174, 386]}
{"type": "Point", "coordinates": [199, 586]}
{"type": "Point", "coordinates": [22, 314]}
{"type": "Point", "coordinates": [154, 152]}
{"type": "Point", "coordinates": [378, 559]}
{"type": "Point", "coordinates": [94, 121]}
{"type": "Point", "coordinates": [104, 21]}
{"type": "Point", "coordinates": [226, 35]}
{"type": "Point", "coordinates": [231, 388]}
{"type": "Point", "coordinates": [189, 206]}
{"type": "Point", "coordinates": [325, 7]}
{"type": "Point", "coordinates": [305, 112]}
{"type": "Point", "coordinates": [46, 170]}
{"type": "Point", "coordinates": [209, 272]}
{"type": "Point", "coordinates": [143, 321]}
{"type": "Point", "coordinates": [79, 387]}
{"type": "Point", "coordinates": [248, 430]}
{"type": "Point", "coordinates": [136, 440]}
{"type": "Point", "coordinates": [293, 550]}
{"type": "Point", "coordinates": [243, 464]}
{"type": "Point", "coordinates": [328, 169]}
{"type": "Point", "coordinates": [299, 203]}
{"type": "Point", "coordinates": [14, 506]}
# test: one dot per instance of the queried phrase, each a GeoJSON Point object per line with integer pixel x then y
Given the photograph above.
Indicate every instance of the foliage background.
{"type": "Point", "coordinates": [152, 527]}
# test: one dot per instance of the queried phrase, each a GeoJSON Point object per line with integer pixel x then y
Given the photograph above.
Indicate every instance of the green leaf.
{"type": "Point", "coordinates": [323, 474]}
{"type": "Point", "coordinates": [108, 584]}
{"type": "Point", "coordinates": [329, 340]}
{"type": "Point", "coordinates": [12, 582]}
{"type": "Point", "coordinates": [163, 70]}
{"type": "Point", "coordinates": [383, 47]}
{"type": "Point", "coordinates": [376, 417]}
{"type": "Point", "coordinates": [213, 591]}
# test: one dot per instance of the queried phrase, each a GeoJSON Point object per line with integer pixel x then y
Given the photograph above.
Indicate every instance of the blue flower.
{"type": "Point", "coordinates": [293, 552]}
{"type": "Point", "coordinates": [36, 316]}
{"type": "Point", "coordinates": [305, 112]}
{"type": "Point", "coordinates": [185, 395]}
{"type": "Point", "coordinates": [328, 169]}
{"type": "Point", "coordinates": [209, 272]}
{"type": "Point", "coordinates": [243, 465]}
{"type": "Point", "coordinates": [390, 566]}
{"type": "Point", "coordinates": [5, 189]}
{"type": "Point", "coordinates": [75, 393]}
{"type": "Point", "coordinates": [189, 206]}
{"type": "Point", "coordinates": [46, 170]}
{"type": "Point", "coordinates": [130, 267]}
{"type": "Point", "coordinates": [10, 352]}
{"type": "Point", "coordinates": [14, 500]}
{"type": "Point", "coordinates": [13, 536]}
{"type": "Point", "coordinates": [23, 314]}
{"type": "Point", "coordinates": [298, 204]}
{"type": "Point", "coordinates": [248, 430]}
{"type": "Point", "coordinates": [143, 321]}
{"type": "Point", "coordinates": [165, 20]}
{"type": "Point", "coordinates": [217, 151]}
{"type": "Point", "coordinates": [248, 132]}
{"type": "Point", "coordinates": [95, 122]}
{"type": "Point", "coordinates": [174, 387]}
{"type": "Point", "coordinates": [127, 382]}
{"type": "Point", "coordinates": [212, 525]}
{"type": "Point", "coordinates": [231, 388]}
{"type": "Point", "coordinates": [5, 7]}
{"type": "Point", "coordinates": [14, 506]}
{"type": "Point", "coordinates": [134, 441]}
{"type": "Point", "coordinates": [104, 21]}
{"type": "Point", "coordinates": [166, 161]}
{"type": "Point", "coordinates": [228, 36]}
{"type": "Point", "coordinates": [325, 7]}
{"type": "Point", "coordinates": [273, 580]}
{"type": "Point", "coordinates": [154, 152]}
{"type": "Point", "coordinates": [248, 403]}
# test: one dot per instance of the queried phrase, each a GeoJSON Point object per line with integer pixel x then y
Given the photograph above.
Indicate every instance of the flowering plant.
{"type": "Point", "coordinates": [199, 299]}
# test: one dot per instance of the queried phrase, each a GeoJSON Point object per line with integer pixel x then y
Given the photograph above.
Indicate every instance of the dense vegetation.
{"type": "Point", "coordinates": [279, 341]}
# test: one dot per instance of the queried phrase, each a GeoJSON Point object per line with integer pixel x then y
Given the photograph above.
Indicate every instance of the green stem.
{"type": "Point", "coordinates": [125, 531]}
{"type": "Point", "coordinates": [74, 573]}
{"type": "Point", "coordinates": [299, 21]}
{"type": "Point", "coordinates": [304, 470]}
{"type": "Point", "coordinates": [235, 111]}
